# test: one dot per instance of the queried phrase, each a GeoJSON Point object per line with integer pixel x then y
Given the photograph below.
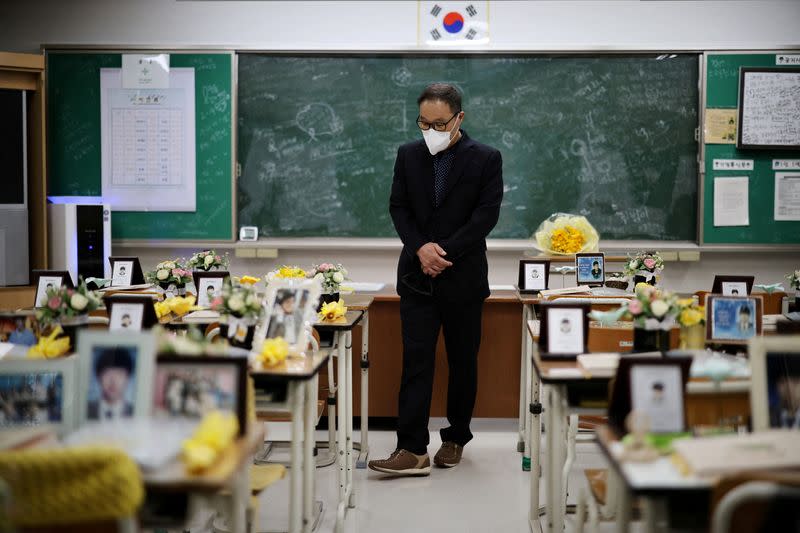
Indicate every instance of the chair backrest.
{"type": "Point", "coordinates": [757, 502]}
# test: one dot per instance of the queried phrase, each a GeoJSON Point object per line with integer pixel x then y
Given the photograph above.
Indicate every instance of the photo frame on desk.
{"type": "Point", "coordinates": [590, 269]}
{"type": "Point", "coordinates": [774, 382]}
{"type": "Point", "coordinates": [45, 279]}
{"type": "Point", "coordinates": [125, 271]}
{"type": "Point", "coordinates": [732, 285]}
{"type": "Point", "coordinates": [649, 384]}
{"type": "Point", "coordinates": [733, 319]}
{"type": "Point", "coordinates": [130, 312]}
{"type": "Point", "coordinates": [291, 309]}
{"type": "Point", "coordinates": [534, 275]}
{"type": "Point", "coordinates": [39, 393]}
{"type": "Point", "coordinates": [564, 331]}
{"type": "Point", "coordinates": [115, 375]}
{"type": "Point", "coordinates": [191, 386]}
{"type": "Point", "coordinates": [209, 285]}
{"type": "Point", "coordinates": [21, 328]}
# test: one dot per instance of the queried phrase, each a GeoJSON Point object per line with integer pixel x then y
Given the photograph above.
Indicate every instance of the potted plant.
{"type": "Point", "coordinates": [171, 277]}
{"type": "Point", "coordinates": [644, 267]}
{"type": "Point", "coordinates": [240, 309]}
{"type": "Point", "coordinates": [330, 277]}
{"type": "Point", "coordinates": [68, 308]}
{"type": "Point", "coordinates": [692, 318]}
{"type": "Point", "coordinates": [794, 282]}
{"type": "Point", "coordinates": [208, 260]}
{"type": "Point", "coordinates": [654, 313]}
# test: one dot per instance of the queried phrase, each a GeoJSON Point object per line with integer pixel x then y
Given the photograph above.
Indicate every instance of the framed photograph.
{"type": "Point", "coordinates": [534, 276]}
{"type": "Point", "coordinates": [38, 392]}
{"type": "Point", "coordinates": [125, 271]}
{"type": "Point", "coordinates": [733, 285]}
{"type": "Point", "coordinates": [291, 309]}
{"type": "Point", "coordinates": [653, 385]}
{"type": "Point", "coordinates": [19, 328]}
{"type": "Point", "coordinates": [733, 319]}
{"type": "Point", "coordinates": [590, 268]}
{"type": "Point", "coordinates": [190, 387]}
{"type": "Point", "coordinates": [48, 279]}
{"type": "Point", "coordinates": [115, 375]}
{"type": "Point", "coordinates": [130, 312]}
{"type": "Point", "coordinates": [564, 330]}
{"type": "Point", "coordinates": [775, 382]}
{"type": "Point", "coordinates": [208, 285]}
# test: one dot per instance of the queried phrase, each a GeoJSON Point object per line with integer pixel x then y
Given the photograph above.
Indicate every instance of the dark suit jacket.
{"type": "Point", "coordinates": [468, 212]}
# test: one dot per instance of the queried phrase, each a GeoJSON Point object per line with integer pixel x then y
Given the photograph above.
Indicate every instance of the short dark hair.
{"type": "Point", "coordinates": [116, 357]}
{"type": "Point", "coordinates": [444, 92]}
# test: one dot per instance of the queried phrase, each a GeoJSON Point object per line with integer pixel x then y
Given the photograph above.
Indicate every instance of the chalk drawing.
{"type": "Point", "coordinates": [318, 119]}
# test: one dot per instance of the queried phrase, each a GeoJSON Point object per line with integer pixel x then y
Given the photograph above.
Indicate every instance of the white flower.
{"type": "Point", "coordinates": [659, 308]}
{"type": "Point", "coordinates": [78, 301]}
{"type": "Point", "coordinates": [319, 277]}
{"type": "Point", "coordinates": [169, 265]}
{"type": "Point", "coordinates": [208, 260]}
{"type": "Point", "coordinates": [251, 300]}
{"type": "Point", "coordinates": [235, 303]}
{"type": "Point", "coordinates": [633, 265]}
{"type": "Point", "coordinates": [162, 274]}
{"type": "Point", "coordinates": [338, 277]}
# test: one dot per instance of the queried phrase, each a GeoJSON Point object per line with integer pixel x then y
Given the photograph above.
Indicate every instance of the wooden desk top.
{"type": "Point", "coordinates": [389, 294]}
{"type": "Point", "coordinates": [349, 321]}
{"type": "Point", "coordinates": [358, 302]}
{"type": "Point", "coordinates": [294, 368]}
{"type": "Point", "coordinates": [174, 476]}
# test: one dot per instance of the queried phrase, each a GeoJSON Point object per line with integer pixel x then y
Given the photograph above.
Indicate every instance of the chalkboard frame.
{"type": "Point", "coordinates": [54, 49]}
{"type": "Point", "coordinates": [740, 119]}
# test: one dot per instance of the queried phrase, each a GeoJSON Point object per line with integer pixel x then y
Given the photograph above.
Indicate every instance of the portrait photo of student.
{"type": "Point", "coordinates": [126, 316]}
{"type": "Point", "coordinates": [657, 390]}
{"type": "Point", "coordinates": [733, 319]}
{"type": "Point", "coordinates": [783, 390]}
{"type": "Point", "coordinates": [122, 273]}
{"type": "Point", "coordinates": [113, 383]}
{"type": "Point", "coordinates": [45, 284]}
{"type": "Point", "coordinates": [564, 333]}
{"type": "Point", "coordinates": [590, 269]}
{"type": "Point", "coordinates": [286, 318]}
{"type": "Point", "coordinates": [209, 286]}
{"type": "Point", "coordinates": [533, 275]}
{"type": "Point", "coordinates": [734, 288]}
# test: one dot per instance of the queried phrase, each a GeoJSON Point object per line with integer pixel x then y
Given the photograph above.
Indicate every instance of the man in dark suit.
{"type": "Point", "coordinates": [445, 199]}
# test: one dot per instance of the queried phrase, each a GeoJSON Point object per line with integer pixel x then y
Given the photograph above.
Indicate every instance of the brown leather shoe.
{"type": "Point", "coordinates": [449, 455]}
{"type": "Point", "coordinates": [403, 463]}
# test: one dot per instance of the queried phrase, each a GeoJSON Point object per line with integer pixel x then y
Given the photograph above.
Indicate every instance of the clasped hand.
{"type": "Point", "coordinates": [431, 256]}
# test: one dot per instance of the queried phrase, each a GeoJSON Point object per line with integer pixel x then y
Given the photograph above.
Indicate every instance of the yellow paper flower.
{"type": "Point", "coordinates": [332, 311]}
{"type": "Point", "coordinates": [565, 234]}
{"type": "Point", "coordinates": [215, 433]}
{"type": "Point", "coordinates": [162, 309]}
{"type": "Point", "coordinates": [180, 305]}
{"type": "Point", "coordinates": [50, 347]}
{"type": "Point", "coordinates": [248, 280]}
{"type": "Point", "coordinates": [273, 351]}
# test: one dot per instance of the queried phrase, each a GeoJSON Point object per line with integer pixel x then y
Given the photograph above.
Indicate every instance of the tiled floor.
{"type": "Point", "coordinates": [487, 493]}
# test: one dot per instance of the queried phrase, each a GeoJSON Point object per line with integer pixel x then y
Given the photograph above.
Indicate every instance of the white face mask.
{"type": "Point", "coordinates": [438, 140]}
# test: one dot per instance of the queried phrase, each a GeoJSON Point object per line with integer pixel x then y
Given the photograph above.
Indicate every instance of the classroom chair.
{"type": "Point", "coordinates": [756, 501]}
{"type": "Point", "coordinates": [82, 489]}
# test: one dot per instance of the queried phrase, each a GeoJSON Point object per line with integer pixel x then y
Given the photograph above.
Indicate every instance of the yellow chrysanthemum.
{"type": "Point", "coordinates": [332, 311]}
{"type": "Point", "coordinates": [273, 351]}
{"type": "Point", "coordinates": [566, 234]}
{"type": "Point", "coordinates": [690, 317]}
{"type": "Point", "coordinates": [290, 272]}
{"type": "Point", "coordinates": [249, 280]}
{"type": "Point", "coordinates": [50, 347]}
{"type": "Point", "coordinates": [567, 240]}
{"type": "Point", "coordinates": [180, 305]}
{"type": "Point", "coordinates": [215, 433]}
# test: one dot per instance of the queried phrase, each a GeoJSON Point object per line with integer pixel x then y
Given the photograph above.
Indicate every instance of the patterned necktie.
{"type": "Point", "coordinates": [441, 168]}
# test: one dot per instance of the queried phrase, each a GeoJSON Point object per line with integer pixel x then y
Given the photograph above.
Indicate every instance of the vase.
{"type": "Point", "coordinates": [644, 277]}
{"type": "Point", "coordinates": [693, 337]}
{"type": "Point", "coordinates": [170, 289]}
{"type": "Point", "coordinates": [71, 326]}
{"type": "Point", "coordinates": [326, 298]}
{"type": "Point", "coordinates": [650, 340]}
{"type": "Point", "coordinates": [239, 332]}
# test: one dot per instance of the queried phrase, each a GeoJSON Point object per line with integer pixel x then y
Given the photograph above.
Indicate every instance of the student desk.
{"type": "Point", "coordinates": [343, 344]}
{"type": "Point", "coordinates": [299, 377]}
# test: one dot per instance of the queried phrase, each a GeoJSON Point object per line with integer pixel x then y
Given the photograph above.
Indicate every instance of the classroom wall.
{"type": "Point", "coordinates": [359, 25]}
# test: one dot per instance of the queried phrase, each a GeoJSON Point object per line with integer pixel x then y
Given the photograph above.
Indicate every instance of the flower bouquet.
{"type": "Point", "coordinates": [240, 308]}
{"type": "Point", "coordinates": [644, 267]}
{"type": "Point", "coordinates": [208, 260]}
{"type": "Point", "coordinates": [171, 276]}
{"type": "Point", "coordinates": [794, 282]}
{"type": "Point", "coordinates": [692, 318]}
{"type": "Point", "coordinates": [287, 272]}
{"type": "Point", "coordinates": [565, 234]}
{"type": "Point", "coordinates": [330, 277]}
{"type": "Point", "coordinates": [654, 313]}
{"type": "Point", "coordinates": [68, 308]}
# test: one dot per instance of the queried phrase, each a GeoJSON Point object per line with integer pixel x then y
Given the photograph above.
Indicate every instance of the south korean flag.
{"type": "Point", "coordinates": [453, 23]}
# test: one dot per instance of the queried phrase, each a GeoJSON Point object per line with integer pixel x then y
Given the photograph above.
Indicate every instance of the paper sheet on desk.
{"type": "Point", "coordinates": [731, 201]}
{"type": "Point", "coordinates": [363, 286]}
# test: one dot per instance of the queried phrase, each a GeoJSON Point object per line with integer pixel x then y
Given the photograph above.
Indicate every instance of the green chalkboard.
{"type": "Point", "coordinates": [74, 158]}
{"type": "Point", "coordinates": [611, 137]}
{"type": "Point", "coordinates": [722, 92]}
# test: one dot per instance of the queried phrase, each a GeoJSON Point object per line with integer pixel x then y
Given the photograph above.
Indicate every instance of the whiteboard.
{"type": "Point", "coordinates": [769, 108]}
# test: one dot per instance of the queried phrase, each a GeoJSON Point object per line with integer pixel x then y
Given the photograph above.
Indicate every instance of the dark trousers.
{"type": "Point", "coordinates": [421, 319]}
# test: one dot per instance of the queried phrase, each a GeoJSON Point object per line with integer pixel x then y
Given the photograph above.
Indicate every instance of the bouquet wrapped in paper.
{"type": "Point", "coordinates": [566, 234]}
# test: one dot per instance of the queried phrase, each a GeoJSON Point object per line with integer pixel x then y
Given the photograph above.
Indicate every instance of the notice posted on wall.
{"type": "Point", "coordinates": [787, 196]}
{"type": "Point", "coordinates": [148, 143]}
{"type": "Point", "coordinates": [731, 201]}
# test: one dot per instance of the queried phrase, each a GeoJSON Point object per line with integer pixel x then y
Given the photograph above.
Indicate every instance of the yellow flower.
{"type": "Point", "coordinates": [290, 272]}
{"type": "Point", "coordinates": [162, 309]}
{"type": "Point", "coordinates": [567, 240]}
{"type": "Point", "coordinates": [692, 316]}
{"type": "Point", "coordinates": [249, 280]}
{"type": "Point", "coordinates": [180, 305]}
{"type": "Point", "coordinates": [50, 347]}
{"type": "Point", "coordinates": [566, 234]}
{"type": "Point", "coordinates": [273, 351]}
{"type": "Point", "coordinates": [215, 433]}
{"type": "Point", "coordinates": [332, 311]}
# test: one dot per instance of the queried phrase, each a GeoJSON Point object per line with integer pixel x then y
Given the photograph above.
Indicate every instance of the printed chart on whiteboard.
{"type": "Point", "coordinates": [148, 144]}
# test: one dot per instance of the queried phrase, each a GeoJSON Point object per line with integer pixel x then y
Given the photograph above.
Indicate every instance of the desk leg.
{"type": "Point", "coordinates": [623, 509]}
{"type": "Point", "coordinates": [351, 495]}
{"type": "Point", "coordinates": [309, 465]}
{"type": "Point", "coordinates": [332, 399]}
{"type": "Point", "coordinates": [523, 382]}
{"type": "Point", "coordinates": [529, 377]}
{"type": "Point", "coordinates": [572, 435]}
{"type": "Point", "coordinates": [556, 432]}
{"type": "Point", "coordinates": [297, 392]}
{"type": "Point", "coordinates": [535, 432]}
{"type": "Point", "coordinates": [240, 492]}
{"type": "Point", "coordinates": [340, 339]}
{"type": "Point", "coordinates": [363, 454]}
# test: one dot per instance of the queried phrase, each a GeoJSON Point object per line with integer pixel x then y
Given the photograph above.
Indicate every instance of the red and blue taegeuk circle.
{"type": "Point", "coordinates": [453, 22]}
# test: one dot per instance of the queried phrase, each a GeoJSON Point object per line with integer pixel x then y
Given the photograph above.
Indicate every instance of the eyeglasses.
{"type": "Point", "coordinates": [438, 126]}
